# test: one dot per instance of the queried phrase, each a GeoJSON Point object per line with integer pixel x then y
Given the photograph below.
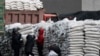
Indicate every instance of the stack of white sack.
{"type": "Point", "coordinates": [76, 38]}
{"type": "Point", "coordinates": [56, 34]}
{"type": "Point", "coordinates": [26, 5]}
{"type": "Point", "coordinates": [8, 0]}
{"type": "Point", "coordinates": [13, 5]}
{"type": "Point", "coordinates": [75, 55]}
{"type": "Point", "coordinates": [7, 6]}
{"type": "Point", "coordinates": [26, 29]}
{"type": "Point", "coordinates": [23, 4]}
{"type": "Point", "coordinates": [11, 26]}
{"type": "Point", "coordinates": [23, 28]}
{"type": "Point", "coordinates": [92, 38]}
{"type": "Point", "coordinates": [32, 6]}
{"type": "Point", "coordinates": [20, 5]}
{"type": "Point", "coordinates": [38, 4]}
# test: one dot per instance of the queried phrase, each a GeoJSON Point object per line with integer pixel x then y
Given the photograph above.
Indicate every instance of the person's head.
{"type": "Point", "coordinates": [30, 36]}
{"type": "Point", "coordinates": [15, 30]}
{"type": "Point", "coordinates": [41, 30]}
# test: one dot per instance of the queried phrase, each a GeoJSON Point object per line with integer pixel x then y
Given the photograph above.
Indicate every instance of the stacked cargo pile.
{"type": "Point", "coordinates": [57, 34]}
{"type": "Point", "coordinates": [33, 29]}
{"type": "Point", "coordinates": [20, 5]}
{"type": "Point", "coordinates": [92, 38]}
{"type": "Point", "coordinates": [57, 30]}
{"type": "Point", "coordinates": [25, 29]}
{"type": "Point", "coordinates": [23, 4]}
{"type": "Point", "coordinates": [28, 29]}
{"type": "Point", "coordinates": [75, 38]}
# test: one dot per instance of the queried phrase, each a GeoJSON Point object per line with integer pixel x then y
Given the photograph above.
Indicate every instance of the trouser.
{"type": "Point", "coordinates": [16, 52]}
{"type": "Point", "coordinates": [40, 49]}
{"type": "Point", "coordinates": [29, 53]}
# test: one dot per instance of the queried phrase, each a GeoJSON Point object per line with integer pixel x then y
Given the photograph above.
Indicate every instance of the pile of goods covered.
{"type": "Point", "coordinates": [26, 29]}
{"type": "Point", "coordinates": [23, 4]}
{"type": "Point", "coordinates": [92, 37]}
{"type": "Point", "coordinates": [57, 34]}
{"type": "Point", "coordinates": [75, 38]}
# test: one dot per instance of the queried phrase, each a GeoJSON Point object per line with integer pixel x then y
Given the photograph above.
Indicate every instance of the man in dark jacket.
{"type": "Point", "coordinates": [29, 45]}
{"type": "Point", "coordinates": [16, 41]}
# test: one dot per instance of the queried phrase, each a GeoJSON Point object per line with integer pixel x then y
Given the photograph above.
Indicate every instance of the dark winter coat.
{"type": "Point", "coordinates": [16, 42]}
{"type": "Point", "coordinates": [29, 43]}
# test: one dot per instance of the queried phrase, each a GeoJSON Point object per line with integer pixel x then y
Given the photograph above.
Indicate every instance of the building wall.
{"type": "Point", "coordinates": [62, 6]}
{"type": "Point", "coordinates": [90, 5]}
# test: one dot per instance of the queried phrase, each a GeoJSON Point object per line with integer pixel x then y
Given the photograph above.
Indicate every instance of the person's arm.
{"type": "Point", "coordinates": [36, 36]}
{"type": "Point", "coordinates": [21, 40]}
